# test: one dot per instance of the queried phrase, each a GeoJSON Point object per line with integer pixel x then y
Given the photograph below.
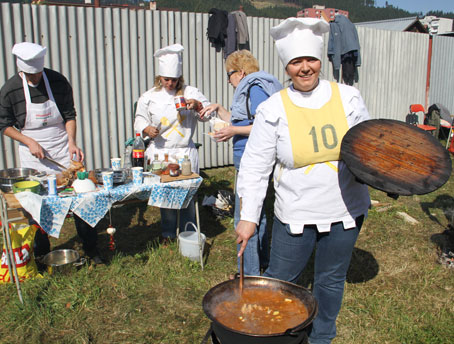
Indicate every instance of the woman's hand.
{"type": "Point", "coordinates": [151, 131]}
{"type": "Point", "coordinates": [225, 134]}
{"type": "Point", "coordinates": [244, 230]}
{"type": "Point", "coordinates": [207, 110]}
{"type": "Point", "coordinates": [193, 104]}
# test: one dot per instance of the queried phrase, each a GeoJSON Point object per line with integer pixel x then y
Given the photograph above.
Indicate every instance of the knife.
{"type": "Point", "coordinates": [55, 163]}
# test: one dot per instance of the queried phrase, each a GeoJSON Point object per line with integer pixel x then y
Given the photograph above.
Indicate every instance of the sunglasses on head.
{"type": "Point", "coordinates": [229, 74]}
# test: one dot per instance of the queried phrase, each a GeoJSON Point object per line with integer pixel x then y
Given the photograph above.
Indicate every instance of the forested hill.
{"type": "Point", "coordinates": [359, 10]}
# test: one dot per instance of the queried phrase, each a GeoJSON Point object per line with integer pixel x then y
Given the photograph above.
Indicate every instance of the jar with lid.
{"type": "Point", "coordinates": [186, 166]}
{"type": "Point", "coordinates": [156, 165]}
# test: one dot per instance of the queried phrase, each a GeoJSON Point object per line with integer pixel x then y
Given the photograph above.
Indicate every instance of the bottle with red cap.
{"type": "Point", "coordinates": [138, 152]}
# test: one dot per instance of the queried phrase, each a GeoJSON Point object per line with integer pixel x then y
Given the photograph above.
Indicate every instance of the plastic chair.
{"type": "Point", "coordinates": [413, 118]}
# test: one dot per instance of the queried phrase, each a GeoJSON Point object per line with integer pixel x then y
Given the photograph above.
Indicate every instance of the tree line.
{"type": "Point", "coordinates": [359, 11]}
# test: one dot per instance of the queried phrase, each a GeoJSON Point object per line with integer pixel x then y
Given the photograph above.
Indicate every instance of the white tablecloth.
{"type": "Point", "coordinates": [50, 211]}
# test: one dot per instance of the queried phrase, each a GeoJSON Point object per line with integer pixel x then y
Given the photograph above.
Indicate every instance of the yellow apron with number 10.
{"type": "Point", "coordinates": [316, 134]}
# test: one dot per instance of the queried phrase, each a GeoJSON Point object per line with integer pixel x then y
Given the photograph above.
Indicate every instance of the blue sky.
{"type": "Point", "coordinates": [419, 5]}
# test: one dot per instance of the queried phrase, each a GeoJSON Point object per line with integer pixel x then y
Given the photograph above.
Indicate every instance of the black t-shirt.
{"type": "Point", "coordinates": [12, 99]}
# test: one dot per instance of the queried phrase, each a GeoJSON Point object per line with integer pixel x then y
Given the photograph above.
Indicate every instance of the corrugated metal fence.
{"type": "Point", "coordinates": [107, 55]}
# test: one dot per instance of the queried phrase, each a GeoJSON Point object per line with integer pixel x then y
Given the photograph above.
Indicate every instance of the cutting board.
{"type": "Point", "coordinates": [165, 178]}
{"type": "Point", "coordinates": [15, 210]}
{"type": "Point", "coordinates": [396, 157]}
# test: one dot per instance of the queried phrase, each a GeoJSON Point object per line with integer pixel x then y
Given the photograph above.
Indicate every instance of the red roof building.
{"type": "Point", "coordinates": [320, 12]}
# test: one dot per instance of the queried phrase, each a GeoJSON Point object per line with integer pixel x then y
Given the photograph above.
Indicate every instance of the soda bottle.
{"type": "Point", "coordinates": [138, 152]}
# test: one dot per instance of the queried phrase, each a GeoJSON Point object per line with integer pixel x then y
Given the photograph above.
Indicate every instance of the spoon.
{"type": "Point", "coordinates": [241, 274]}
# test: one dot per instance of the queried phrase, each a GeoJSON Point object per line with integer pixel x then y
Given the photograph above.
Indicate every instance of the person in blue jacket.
{"type": "Point", "coordinates": [252, 87]}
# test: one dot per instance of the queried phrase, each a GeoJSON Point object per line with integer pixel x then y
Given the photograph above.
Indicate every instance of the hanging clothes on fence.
{"type": "Point", "coordinates": [217, 28]}
{"type": "Point", "coordinates": [344, 49]}
{"type": "Point", "coordinates": [242, 31]}
{"type": "Point", "coordinates": [230, 42]}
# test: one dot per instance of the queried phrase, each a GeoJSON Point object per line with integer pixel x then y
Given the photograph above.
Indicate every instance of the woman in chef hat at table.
{"type": "Point", "coordinates": [171, 130]}
{"type": "Point", "coordinates": [319, 205]}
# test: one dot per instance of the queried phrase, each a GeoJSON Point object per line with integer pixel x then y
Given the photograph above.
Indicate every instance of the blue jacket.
{"type": "Point", "coordinates": [266, 81]}
{"type": "Point", "coordinates": [266, 84]}
{"type": "Point", "coordinates": [343, 38]}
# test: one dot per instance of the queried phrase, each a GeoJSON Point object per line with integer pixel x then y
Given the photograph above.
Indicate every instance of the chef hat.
{"type": "Point", "coordinates": [170, 61]}
{"type": "Point", "coordinates": [30, 57]}
{"type": "Point", "coordinates": [296, 37]}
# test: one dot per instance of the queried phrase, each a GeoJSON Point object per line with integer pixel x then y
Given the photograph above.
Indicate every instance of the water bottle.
{"type": "Point", "coordinates": [127, 158]}
{"type": "Point", "coordinates": [138, 152]}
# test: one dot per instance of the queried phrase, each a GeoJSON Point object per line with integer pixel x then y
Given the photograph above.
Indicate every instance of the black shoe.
{"type": "Point", "coordinates": [95, 257]}
{"type": "Point", "coordinates": [97, 260]}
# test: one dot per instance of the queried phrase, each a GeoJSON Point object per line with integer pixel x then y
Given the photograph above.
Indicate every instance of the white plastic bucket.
{"type": "Point", "coordinates": [190, 246]}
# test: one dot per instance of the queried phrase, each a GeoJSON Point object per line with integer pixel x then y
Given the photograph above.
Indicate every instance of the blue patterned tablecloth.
{"type": "Point", "coordinates": [93, 206]}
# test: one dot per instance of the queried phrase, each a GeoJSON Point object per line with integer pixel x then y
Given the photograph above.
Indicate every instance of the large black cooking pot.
{"type": "Point", "coordinates": [227, 289]}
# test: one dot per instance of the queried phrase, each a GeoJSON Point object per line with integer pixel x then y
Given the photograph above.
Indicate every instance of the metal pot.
{"type": "Point", "coordinates": [13, 175]}
{"type": "Point", "coordinates": [224, 290]}
{"type": "Point", "coordinates": [62, 261]}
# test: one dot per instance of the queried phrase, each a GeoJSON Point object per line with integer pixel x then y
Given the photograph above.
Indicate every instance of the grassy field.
{"type": "Point", "coordinates": [396, 292]}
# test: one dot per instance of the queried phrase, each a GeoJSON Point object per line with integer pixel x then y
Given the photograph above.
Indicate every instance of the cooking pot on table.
{"type": "Point", "coordinates": [13, 175]}
{"type": "Point", "coordinates": [62, 261]}
{"type": "Point", "coordinates": [227, 289]}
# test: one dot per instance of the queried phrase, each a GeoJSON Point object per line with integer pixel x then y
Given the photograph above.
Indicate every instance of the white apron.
{"type": "Point", "coordinates": [45, 125]}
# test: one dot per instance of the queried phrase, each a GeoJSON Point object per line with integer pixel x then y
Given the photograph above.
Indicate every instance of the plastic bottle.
{"type": "Point", "coordinates": [186, 167]}
{"type": "Point", "coordinates": [127, 158]}
{"type": "Point", "coordinates": [138, 152]}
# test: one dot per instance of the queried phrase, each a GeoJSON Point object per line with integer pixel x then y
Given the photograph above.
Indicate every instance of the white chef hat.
{"type": "Point", "coordinates": [296, 37]}
{"type": "Point", "coordinates": [30, 57]}
{"type": "Point", "coordinates": [170, 61]}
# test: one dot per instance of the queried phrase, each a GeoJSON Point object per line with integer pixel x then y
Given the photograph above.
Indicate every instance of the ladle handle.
{"type": "Point", "coordinates": [241, 273]}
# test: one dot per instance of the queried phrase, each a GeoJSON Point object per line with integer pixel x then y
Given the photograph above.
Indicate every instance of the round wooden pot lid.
{"type": "Point", "coordinates": [395, 157]}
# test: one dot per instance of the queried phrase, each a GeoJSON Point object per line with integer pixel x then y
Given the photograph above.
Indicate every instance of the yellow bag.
{"type": "Point", "coordinates": [22, 238]}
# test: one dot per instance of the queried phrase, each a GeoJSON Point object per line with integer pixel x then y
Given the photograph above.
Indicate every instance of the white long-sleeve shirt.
{"type": "Point", "coordinates": [157, 108]}
{"type": "Point", "coordinates": [311, 195]}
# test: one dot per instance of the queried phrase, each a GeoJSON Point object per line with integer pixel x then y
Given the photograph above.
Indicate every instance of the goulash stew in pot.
{"type": "Point", "coordinates": [261, 311]}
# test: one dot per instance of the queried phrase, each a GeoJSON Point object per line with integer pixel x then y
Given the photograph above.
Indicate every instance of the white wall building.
{"type": "Point", "coordinates": [437, 25]}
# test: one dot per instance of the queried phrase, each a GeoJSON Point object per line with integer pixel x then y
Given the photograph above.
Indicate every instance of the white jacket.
{"type": "Point", "coordinates": [309, 195]}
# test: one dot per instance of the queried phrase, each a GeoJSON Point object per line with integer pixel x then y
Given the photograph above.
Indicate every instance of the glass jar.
{"type": "Point", "coordinates": [186, 169]}
{"type": "Point", "coordinates": [156, 166]}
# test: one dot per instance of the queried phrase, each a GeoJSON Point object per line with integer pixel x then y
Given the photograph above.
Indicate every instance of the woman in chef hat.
{"type": "Point", "coordinates": [171, 130]}
{"type": "Point", "coordinates": [319, 204]}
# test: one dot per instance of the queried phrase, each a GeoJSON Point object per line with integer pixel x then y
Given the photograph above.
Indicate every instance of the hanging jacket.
{"type": "Point", "coordinates": [343, 38]}
{"type": "Point", "coordinates": [217, 28]}
{"type": "Point", "coordinates": [230, 42]}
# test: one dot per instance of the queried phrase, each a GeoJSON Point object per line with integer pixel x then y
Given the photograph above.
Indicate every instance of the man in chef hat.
{"type": "Point", "coordinates": [37, 110]}
{"type": "Point", "coordinates": [319, 205]}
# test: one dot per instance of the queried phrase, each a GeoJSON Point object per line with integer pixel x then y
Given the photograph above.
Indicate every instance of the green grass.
{"type": "Point", "coordinates": [396, 292]}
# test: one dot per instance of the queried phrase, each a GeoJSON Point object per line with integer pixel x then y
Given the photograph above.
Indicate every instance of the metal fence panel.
{"type": "Point", "coordinates": [107, 55]}
{"type": "Point", "coordinates": [442, 72]}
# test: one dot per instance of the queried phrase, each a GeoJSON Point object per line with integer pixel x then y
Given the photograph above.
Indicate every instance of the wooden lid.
{"type": "Point", "coordinates": [395, 157]}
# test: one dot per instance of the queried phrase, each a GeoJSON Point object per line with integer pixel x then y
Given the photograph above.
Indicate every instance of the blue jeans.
{"type": "Point", "coordinates": [333, 250]}
{"type": "Point", "coordinates": [169, 220]}
{"type": "Point", "coordinates": [256, 254]}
